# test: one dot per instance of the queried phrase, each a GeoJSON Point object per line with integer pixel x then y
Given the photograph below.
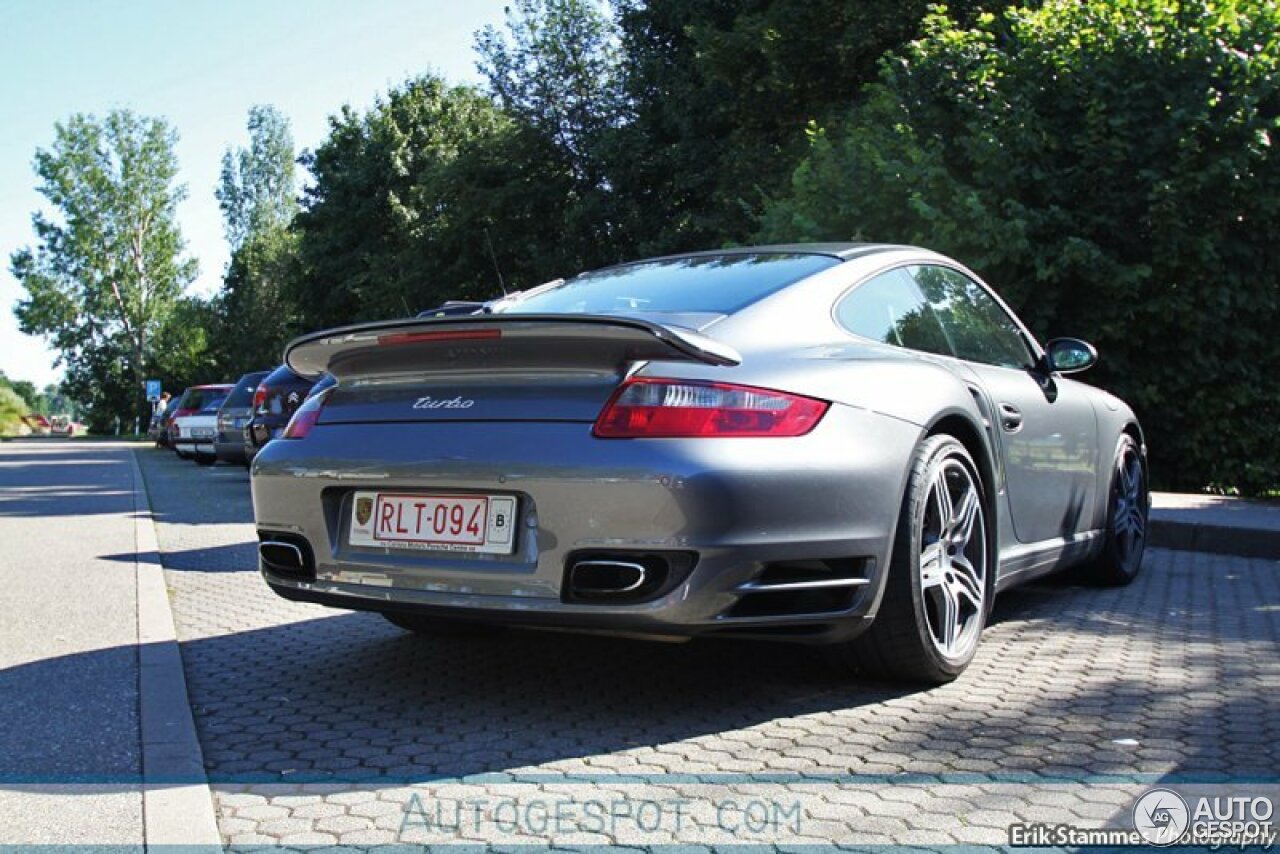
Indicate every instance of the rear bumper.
{"type": "Point", "coordinates": [194, 447]}
{"type": "Point", "coordinates": [750, 509]}
{"type": "Point", "coordinates": [230, 447]}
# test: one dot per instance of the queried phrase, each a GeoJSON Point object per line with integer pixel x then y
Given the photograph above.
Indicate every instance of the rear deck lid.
{"type": "Point", "coordinates": [494, 367]}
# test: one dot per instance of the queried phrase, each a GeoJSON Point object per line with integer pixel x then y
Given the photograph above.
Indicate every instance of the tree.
{"type": "Point", "coordinates": [257, 190]}
{"type": "Point", "coordinates": [108, 264]}
{"type": "Point", "coordinates": [555, 71]}
{"type": "Point", "coordinates": [1108, 165]}
{"type": "Point", "coordinates": [258, 196]}
{"type": "Point", "coordinates": [381, 233]}
{"type": "Point", "coordinates": [718, 94]}
{"type": "Point", "coordinates": [12, 408]}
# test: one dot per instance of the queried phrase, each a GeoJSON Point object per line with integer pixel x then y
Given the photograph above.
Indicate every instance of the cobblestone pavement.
{"type": "Point", "coordinates": [327, 727]}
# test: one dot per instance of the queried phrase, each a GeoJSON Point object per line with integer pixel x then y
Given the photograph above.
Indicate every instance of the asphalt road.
{"type": "Point", "coordinates": [69, 740]}
{"type": "Point", "coordinates": [322, 726]}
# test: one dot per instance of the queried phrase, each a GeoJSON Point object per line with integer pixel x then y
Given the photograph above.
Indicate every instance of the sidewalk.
{"type": "Point", "coordinates": [1215, 523]}
{"type": "Point", "coordinates": [95, 714]}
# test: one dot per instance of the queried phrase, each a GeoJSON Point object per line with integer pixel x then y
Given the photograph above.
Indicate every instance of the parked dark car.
{"type": "Point", "coordinates": [278, 396]}
{"type": "Point", "coordinates": [158, 430]}
{"type": "Point", "coordinates": [453, 308]}
{"type": "Point", "coordinates": [235, 413]}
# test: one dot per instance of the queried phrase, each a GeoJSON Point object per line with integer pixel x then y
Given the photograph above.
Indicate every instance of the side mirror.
{"type": "Point", "coordinates": [1070, 355]}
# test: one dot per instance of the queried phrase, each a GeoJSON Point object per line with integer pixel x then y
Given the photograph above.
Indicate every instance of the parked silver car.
{"type": "Point", "coordinates": [853, 445]}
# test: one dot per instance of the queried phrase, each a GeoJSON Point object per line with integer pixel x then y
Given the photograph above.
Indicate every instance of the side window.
{"type": "Point", "coordinates": [890, 308]}
{"type": "Point", "coordinates": [978, 328]}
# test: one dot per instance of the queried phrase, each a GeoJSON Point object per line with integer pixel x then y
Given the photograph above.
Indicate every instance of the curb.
{"type": "Point", "coordinates": [172, 815]}
{"type": "Point", "coordinates": [1219, 539]}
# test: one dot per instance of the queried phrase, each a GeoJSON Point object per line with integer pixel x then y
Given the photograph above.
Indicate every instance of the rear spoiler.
{"type": "Point", "coordinates": [499, 342]}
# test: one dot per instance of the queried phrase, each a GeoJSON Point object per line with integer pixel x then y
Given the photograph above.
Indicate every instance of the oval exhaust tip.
{"type": "Point", "coordinates": [606, 577]}
{"type": "Point", "coordinates": [283, 555]}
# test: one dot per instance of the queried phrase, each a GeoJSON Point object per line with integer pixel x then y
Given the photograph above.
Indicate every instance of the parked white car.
{"type": "Point", "coordinates": [193, 432]}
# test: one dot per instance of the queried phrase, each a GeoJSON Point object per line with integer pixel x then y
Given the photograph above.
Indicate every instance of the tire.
{"type": "Point", "coordinates": [1128, 505]}
{"type": "Point", "coordinates": [938, 592]}
{"type": "Point", "coordinates": [438, 627]}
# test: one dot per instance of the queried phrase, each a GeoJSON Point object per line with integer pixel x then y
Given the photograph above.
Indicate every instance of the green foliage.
{"type": "Point", "coordinates": [108, 266]}
{"type": "Point", "coordinates": [257, 193]}
{"type": "Point", "coordinates": [185, 350]}
{"type": "Point", "coordinates": [1108, 165]}
{"type": "Point", "coordinates": [12, 408]}
{"type": "Point", "coordinates": [395, 219]}
{"type": "Point", "coordinates": [718, 93]}
{"type": "Point", "coordinates": [257, 188]}
{"type": "Point", "coordinates": [556, 74]}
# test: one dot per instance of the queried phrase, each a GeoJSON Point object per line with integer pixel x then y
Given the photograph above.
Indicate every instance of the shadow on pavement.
{"type": "Point", "coordinates": [348, 698]}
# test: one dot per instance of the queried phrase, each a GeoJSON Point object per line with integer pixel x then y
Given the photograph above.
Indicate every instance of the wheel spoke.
{"type": "Point", "coordinates": [965, 515]}
{"type": "Point", "coordinates": [1121, 523]}
{"type": "Point", "coordinates": [949, 612]}
{"type": "Point", "coordinates": [967, 581]}
{"type": "Point", "coordinates": [1126, 485]}
{"type": "Point", "coordinates": [1137, 523]}
{"type": "Point", "coordinates": [931, 565]}
{"type": "Point", "coordinates": [1134, 478]}
{"type": "Point", "coordinates": [942, 501]}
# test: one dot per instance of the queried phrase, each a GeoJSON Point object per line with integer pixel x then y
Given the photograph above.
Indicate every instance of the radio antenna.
{"type": "Point", "coordinates": [493, 256]}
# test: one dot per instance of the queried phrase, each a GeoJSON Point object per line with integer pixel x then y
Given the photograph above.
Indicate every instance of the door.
{"type": "Point", "coordinates": [1045, 424]}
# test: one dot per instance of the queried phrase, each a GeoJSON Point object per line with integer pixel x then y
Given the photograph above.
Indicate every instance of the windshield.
{"type": "Point", "coordinates": [718, 284]}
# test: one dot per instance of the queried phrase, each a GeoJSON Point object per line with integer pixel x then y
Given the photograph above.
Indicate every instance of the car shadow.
{"type": "Point", "coordinates": [346, 698]}
{"type": "Point", "coordinates": [236, 557]}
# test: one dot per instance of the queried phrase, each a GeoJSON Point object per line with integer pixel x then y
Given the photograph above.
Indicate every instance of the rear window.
{"type": "Point", "coordinates": [242, 395]}
{"type": "Point", "coordinates": [201, 399]}
{"type": "Point", "coordinates": [212, 405]}
{"type": "Point", "coordinates": [719, 284]}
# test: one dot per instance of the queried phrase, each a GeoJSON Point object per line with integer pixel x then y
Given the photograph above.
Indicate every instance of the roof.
{"type": "Point", "coordinates": [843, 251]}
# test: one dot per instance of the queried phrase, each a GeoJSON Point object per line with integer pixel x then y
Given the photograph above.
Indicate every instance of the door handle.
{"type": "Point", "coordinates": [1010, 418]}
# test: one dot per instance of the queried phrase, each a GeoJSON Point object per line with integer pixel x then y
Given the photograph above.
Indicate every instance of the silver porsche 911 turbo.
{"type": "Point", "coordinates": [851, 445]}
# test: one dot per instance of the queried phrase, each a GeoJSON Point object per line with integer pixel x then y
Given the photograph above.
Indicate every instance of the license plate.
{"type": "Point", "coordinates": [455, 523]}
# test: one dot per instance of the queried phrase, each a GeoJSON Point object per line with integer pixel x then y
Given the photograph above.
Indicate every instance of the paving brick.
{"type": "Point", "coordinates": [370, 717]}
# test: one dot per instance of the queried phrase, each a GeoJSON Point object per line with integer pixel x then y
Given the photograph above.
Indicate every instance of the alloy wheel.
{"type": "Point", "coordinates": [1129, 516]}
{"type": "Point", "coordinates": [953, 559]}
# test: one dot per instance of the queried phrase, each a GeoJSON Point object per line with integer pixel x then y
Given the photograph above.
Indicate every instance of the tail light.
{"type": "Point", "coordinates": [306, 416]}
{"type": "Point", "coordinates": [658, 408]}
{"type": "Point", "coordinates": [397, 338]}
{"type": "Point", "coordinates": [259, 397]}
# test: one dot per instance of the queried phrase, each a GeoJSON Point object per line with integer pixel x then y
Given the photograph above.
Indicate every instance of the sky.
{"type": "Point", "coordinates": [201, 64]}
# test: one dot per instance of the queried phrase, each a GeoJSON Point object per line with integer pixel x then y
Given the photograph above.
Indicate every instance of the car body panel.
{"type": "Point", "coordinates": [285, 392]}
{"type": "Point", "coordinates": [194, 435]}
{"type": "Point", "coordinates": [234, 416]}
{"type": "Point", "coordinates": [737, 502]}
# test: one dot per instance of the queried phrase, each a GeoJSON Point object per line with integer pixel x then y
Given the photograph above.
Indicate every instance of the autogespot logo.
{"type": "Point", "coordinates": [1161, 817]}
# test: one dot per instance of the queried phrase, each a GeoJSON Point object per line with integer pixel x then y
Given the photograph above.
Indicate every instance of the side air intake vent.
{"type": "Point", "coordinates": [800, 588]}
